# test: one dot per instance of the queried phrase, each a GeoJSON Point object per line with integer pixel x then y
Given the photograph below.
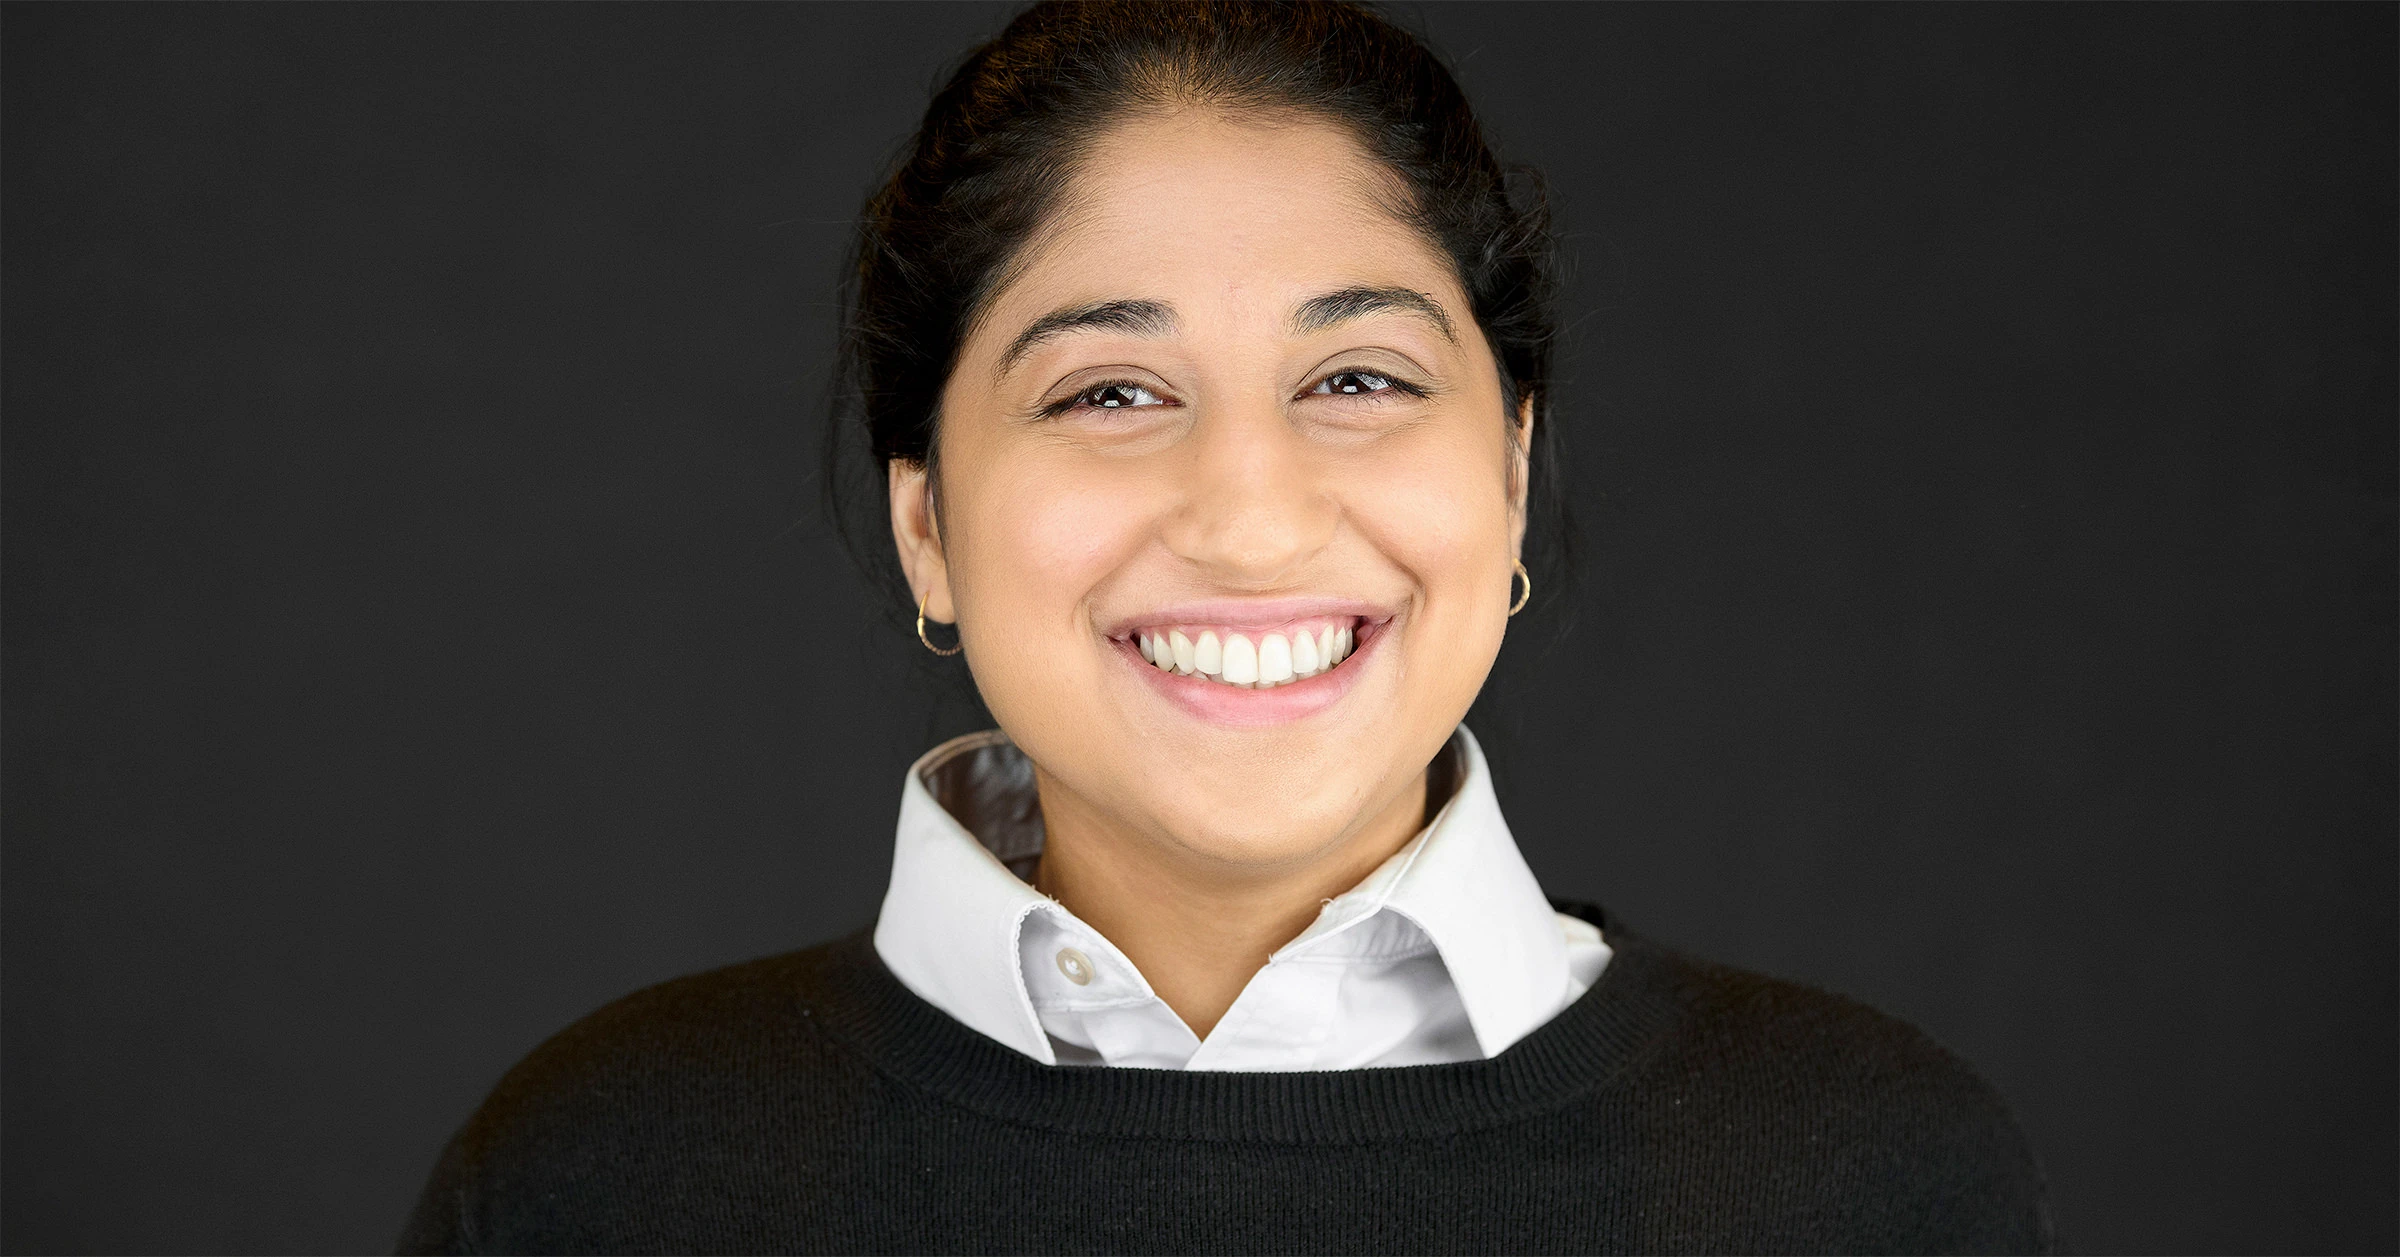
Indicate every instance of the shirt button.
{"type": "Point", "coordinates": [1076, 965]}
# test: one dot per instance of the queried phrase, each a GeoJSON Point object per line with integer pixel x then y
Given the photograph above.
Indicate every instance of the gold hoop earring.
{"type": "Point", "coordinates": [1527, 596]}
{"type": "Point", "coordinates": [921, 631]}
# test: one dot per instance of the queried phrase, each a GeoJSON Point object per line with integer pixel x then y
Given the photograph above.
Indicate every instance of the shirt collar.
{"type": "Point", "coordinates": [954, 912]}
{"type": "Point", "coordinates": [1464, 883]}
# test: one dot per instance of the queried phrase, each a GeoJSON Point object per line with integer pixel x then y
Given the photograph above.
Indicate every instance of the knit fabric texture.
{"type": "Point", "coordinates": [811, 1103]}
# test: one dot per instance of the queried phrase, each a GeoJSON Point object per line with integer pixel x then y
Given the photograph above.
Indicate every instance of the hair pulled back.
{"type": "Point", "coordinates": [1003, 138]}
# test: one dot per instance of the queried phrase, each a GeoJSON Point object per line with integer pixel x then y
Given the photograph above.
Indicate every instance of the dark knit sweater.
{"type": "Point", "coordinates": [810, 1102]}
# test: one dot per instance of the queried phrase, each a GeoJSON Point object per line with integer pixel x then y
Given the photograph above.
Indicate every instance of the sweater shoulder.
{"type": "Point", "coordinates": [1888, 1121]}
{"type": "Point", "coordinates": [1747, 1016]}
{"type": "Point", "coordinates": [664, 1027]}
{"type": "Point", "coordinates": [648, 1070]}
{"type": "Point", "coordinates": [719, 1023]}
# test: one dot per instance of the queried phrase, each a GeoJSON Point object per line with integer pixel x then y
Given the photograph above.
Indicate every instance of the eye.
{"type": "Point", "coordinates": [1117, 396]}
{"type": "Point", "coordinates": [1107, 395]}
{"type": "Point", "coordinates": [1363, 383]}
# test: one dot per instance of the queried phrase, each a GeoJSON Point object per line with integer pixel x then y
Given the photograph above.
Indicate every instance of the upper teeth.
{"type": "Point", "coordinates": [1236, 659]}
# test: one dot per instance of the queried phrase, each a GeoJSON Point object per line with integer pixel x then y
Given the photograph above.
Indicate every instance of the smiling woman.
{"type": "Point", "coordinates": [1205, 351]}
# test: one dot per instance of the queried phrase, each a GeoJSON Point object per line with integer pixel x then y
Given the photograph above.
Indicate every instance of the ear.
{"type": "Point", "coordinates": [918, 536]}
{"type": "Point", "coordinates": [1520, 473]}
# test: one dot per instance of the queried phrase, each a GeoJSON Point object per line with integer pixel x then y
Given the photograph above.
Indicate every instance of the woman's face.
{"type": "Point", "coordinates": [1228, 494]}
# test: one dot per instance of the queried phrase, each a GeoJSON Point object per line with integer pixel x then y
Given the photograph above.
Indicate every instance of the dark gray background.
{"type": "Point", "coordinates": [420, 628]}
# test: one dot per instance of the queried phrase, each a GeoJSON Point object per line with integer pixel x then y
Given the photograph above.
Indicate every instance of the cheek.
{"type": "Point", "coordinates": [1035, 536]}
{"type": "Point", "coordinates": [1436, 502]}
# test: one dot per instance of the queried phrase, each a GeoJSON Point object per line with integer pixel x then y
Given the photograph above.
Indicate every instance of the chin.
{"type": "Point", "coordinates": [1261, 825]}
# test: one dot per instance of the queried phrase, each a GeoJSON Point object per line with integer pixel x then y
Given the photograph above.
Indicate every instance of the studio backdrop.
{"type": "Point", "coordinates": [421, 627]}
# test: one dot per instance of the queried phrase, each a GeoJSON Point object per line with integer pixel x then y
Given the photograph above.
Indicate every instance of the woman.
{"type": "Point", "coordinates": [1205, 350]}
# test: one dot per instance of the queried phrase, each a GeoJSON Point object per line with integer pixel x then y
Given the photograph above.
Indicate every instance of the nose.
{"type": "Point", "coordinates": [1255, 507]}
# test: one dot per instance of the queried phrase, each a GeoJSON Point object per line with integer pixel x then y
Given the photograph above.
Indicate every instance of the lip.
{"type": "Point", "coordinates": [1220, 704]}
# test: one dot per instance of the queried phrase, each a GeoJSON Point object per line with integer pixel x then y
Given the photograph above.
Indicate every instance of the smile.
{"type": "Point", "coordinates": [1249, 659]}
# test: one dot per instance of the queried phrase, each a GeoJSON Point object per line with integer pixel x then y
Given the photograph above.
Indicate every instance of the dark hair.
{"type": "Point", "coordinates": [1002, 138]}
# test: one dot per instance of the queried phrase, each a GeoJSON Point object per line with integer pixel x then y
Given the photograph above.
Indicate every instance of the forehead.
{"type": "Point", "coordinates": [1226, 216]}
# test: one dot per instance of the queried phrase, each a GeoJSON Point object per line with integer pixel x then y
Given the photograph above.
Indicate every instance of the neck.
{"type": "Point", "coordinates": [1199, 927]}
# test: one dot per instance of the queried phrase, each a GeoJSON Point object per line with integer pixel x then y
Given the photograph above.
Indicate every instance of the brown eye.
{"type": "Point", "coordinates": [1117, 397]}
{"type": "Point", "coordinates": [1353, 383]}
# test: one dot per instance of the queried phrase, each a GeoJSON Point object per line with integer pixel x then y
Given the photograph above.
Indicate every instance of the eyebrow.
{"type": "Point", "coordinates": [1323, 311]}
{"type": "Point", "coordinates": [1144, 317]}
{"type": "Point", "coordinates": [1140, 317]}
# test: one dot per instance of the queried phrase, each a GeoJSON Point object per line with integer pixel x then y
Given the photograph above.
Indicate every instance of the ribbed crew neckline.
{"type": "Point", "coordinates": [1587, 1043]}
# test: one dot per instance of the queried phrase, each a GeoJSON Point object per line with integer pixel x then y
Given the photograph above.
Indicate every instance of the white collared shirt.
{"type": "Point", "coordinates": [1446, 952]}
